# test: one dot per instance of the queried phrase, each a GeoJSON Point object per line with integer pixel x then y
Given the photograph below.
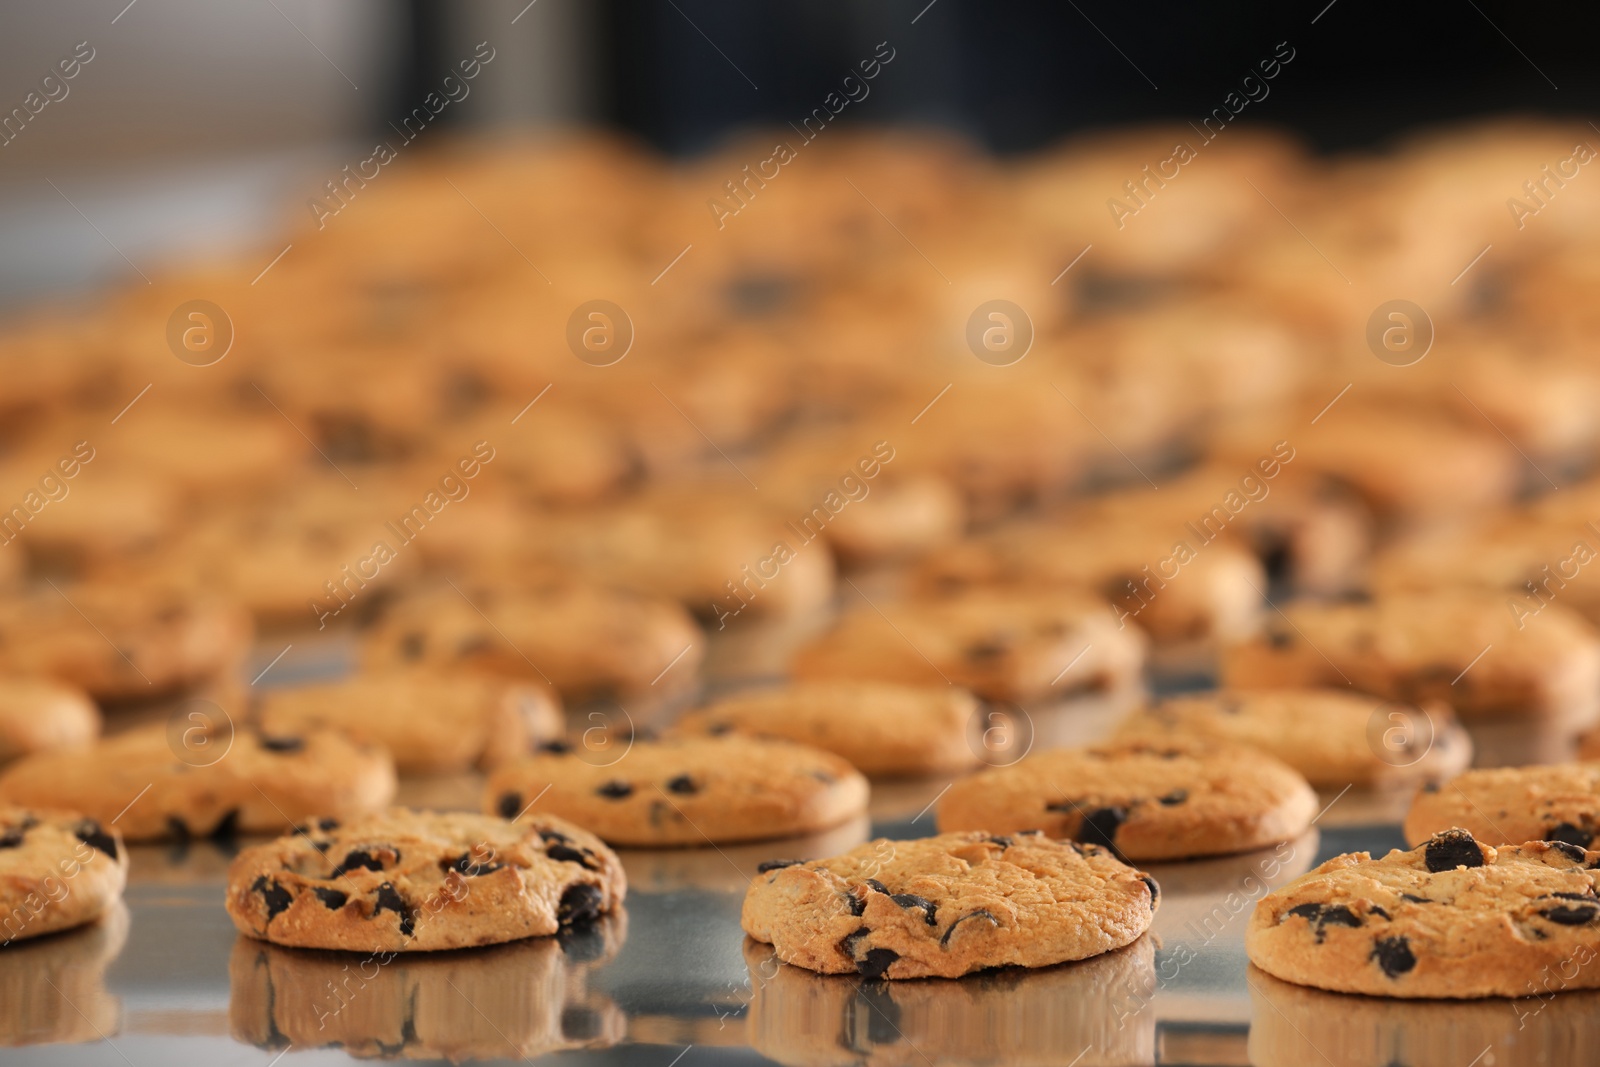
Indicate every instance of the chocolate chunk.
{"type": "Point", "coordinates": [1177, 796]}
{"type": "Point", "coordinates": [1393, 955]}
{"type": "Point", "coordinates": [389, 899]}
{"type": "Point", "coordinates": [568, 854]}
{"type": "Point", "coordinates": [1155, 890]}
{"type": "Point", "coordinates": [615, 790]}
{"type": "Point", "coordinates": [774, 865]}
{"type": "Point", "coordinates": [879, 886]}
{"type": "Point", "coordinates": [876, 961]}
{"type": "Point", "coordinates": [911, 900]}
{"type": "Point", "coordinates": [1003, 842]}
{"type": "Point", "coordinates": [11, 839]}
{"type": "Point", "coordinates": [1569, 834]}
{"type": "Point", "coordinates": [327, 825]}
{"type": "Point", "coordinates": [282, 744]}
{"type": "Point", "coordinates": [683, 785]}
{"type": "Point", "coordinates": [1573, 914]}
{"type": "Point", "coordinates": [1099, 826]}
{"type": "Point", "coordinates": [944, 942]}
{"type": "Point", "coordinates": [580, 905]}
{"type": "Point", "coordinates": [1339, 915]}
{"type": "Point", "coordinates": [90, 833]}
{"type": "Point", "coordinates": [1413, 898]}
{"type": "Point", "coordinates": [1375, 910]}
{"type": "Point", "coordinates": [555, 835]}
{"type": "Point", "coordinates": [467, 865]}
{"type": "Point", "coordinates": [273, 895]}
{"type": "Point", "coordinates": [357, 859]}
{"type": "Point", "coordinates": [1321, 916]}
{"type": "Point", "coordinates": [1452, 849]}
{"type": "Point", "coordinates": [556, 747]}
{"type": "Point", "coordinates": [509, 805]}
{"type": "Point", "coordinates": [331, 899]}
{"type": "Point", "coordinates": [848, 943]}
{"type": "Point", "coordinates": [856, 904]}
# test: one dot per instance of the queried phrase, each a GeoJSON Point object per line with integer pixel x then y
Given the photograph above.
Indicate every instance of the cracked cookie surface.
{"type": "Point", "coordinates": [1510, 805]}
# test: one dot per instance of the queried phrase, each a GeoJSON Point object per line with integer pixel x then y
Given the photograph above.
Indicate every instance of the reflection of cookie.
{"type": "Point", "coordinates": [517, 1000]}
{"type": "Point", "coordinates": [1043, 1016]}
{"type": "Point", "coordinates": [881, 729]}
{"type": "Point", "coordinates": [79, 1008]}
{"type": "Point", "coordinates": [1464, 648]}
{"type": "Point", "coordinates": [1149, 800]}
{"type": "Point", "coordinates": [1333, 737]}
{"type": "Point", "coordinates": [1003, 645]}
{"type": "Point", "coordinates": [1510, 805]}
{"type": "Point", "coordinates": [949, 905]}
{"type": "Point", "coordinates": [583, 640]}
{"type": "Point", "coordinates": [1291, 1026]}
{"type": "Point", "coordinates": [428, 720]}
{"type": "Point", "coordinates": [687, 791]}
{"type": "Point", "coordinates": [57, 870]}
{"type": "Point", "coordinates": [1451, 918]}
{"type": "Point", "coordinates": [37, 714]}
{"type": "Point", "coordinates": [412, 881]}
{"type": "Point", "coordinates": [260, 783]}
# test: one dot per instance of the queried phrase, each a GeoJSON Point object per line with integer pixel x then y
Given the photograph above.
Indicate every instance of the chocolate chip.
{"type": "Point", "coordinates": [1177, 796]}
{"type": "Point", "coordinates": [1155, 890]}
{"type": "Point", "coordinates": [944, 942]}
{"type": "Point", "coordinates": [568, 854]}
{"type": "Point", "coordinates": [580, 905]}
{"type": "Point", "coordinates": [1375, 910]}
{"type": "Point", "coordinates": [774, 865]}
{"type": "Point", "coordinates": [1413, 898]}
{"type": "Point", "coordinates": [273, 895]}
{"type": "Point", "coordinates": [911, 900]}
{"type": "Point", "coordinates": [1393, 955]}
{"type": "Point", "coordinates": [1099, 826]}
{"type": "Point", "coordinates": [326, 825]}
{"type": "Point", "coordinates": [683, 785]}
{"type": "Point", "coordinates": [1571, 835]}
{"type": "Point", "coordinates": [615, 790]}
{"type": "Point", "coordinates": [509, 805]}
{"type": "Point", "coordinates": [283, 744]}
{"type": "Point", "coordinates": [876, 961]}
{"type": "Point", "coordinates": [857, 905]}
{"type": "Point", "coordinates": [1339, 915]}
{"type": "Point", "coordinates": [177, 828]}
{"type": "Point", "coordinates": [467, 865]}
{"type": "Point", "coordinates": [389, 899]}
{"type": "Point", "coordinates": [554, 835]}
{"type": "Point", "coordinates": [847, 944]}
{"type": "Point", "coordinates": [227, 827]}
{"type": "Point", "coordinates": [879, 886]}
{"type": "Point", "coordinates": [357, 859]}
{"type": "Point", "coordinates": [90, 833]}
{"type": "Point", "coordinates": [1321, 916]}
{"type": "Point", "coordinates": [1452, 849]}
{"type": "Point", "coordinates": [556, 747]}
{"type": "Point", "coordinates": [1573, 914]}
{"type": "Point", "coordinates": [1430, 787]}
{"type": "Point", "coordinates": [11, 839]}
{"type": "Point", "coordinates": [331, 899]}
{"type": "Point", "coordinates": [1003, 842]}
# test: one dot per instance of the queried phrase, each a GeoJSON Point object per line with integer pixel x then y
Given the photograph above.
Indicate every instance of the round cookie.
{"type": "Point", "coordinates": [882, 729]}
{"type": "Point", "coordinates": [1147, 800]}
{"type": "Point", "coordinates": [687, 791]}
{"type": "Point", "coordinates": [258, 784]}
{"type": "Point", "coordinates": [406, 881]}
{"type": "Point", "coordinates": [429, 721]}
{"type": "Point", "coordinates": [948, 905]}
{"type": "Point", "coordinates": [1451, 918]}
{"type": "Point", "coordinates": [1333, 737]}
{"type": "Point", "coordinates": [37, 714]}
{"type": "Point", "coordinates": [58, 870]}
{"type": "Point", "coordinates": [1510, 805]}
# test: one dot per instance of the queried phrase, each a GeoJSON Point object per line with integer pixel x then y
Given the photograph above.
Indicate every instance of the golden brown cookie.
{"type": "Point", "coordinates": [58, 869]}
{"type": "Point", "coordinates": [37, 714]}
{"type": "Point", "coordinates": [1510, 805]}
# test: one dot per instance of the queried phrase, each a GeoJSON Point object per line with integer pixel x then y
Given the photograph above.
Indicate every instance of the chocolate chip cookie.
{"type": "Point", "coordinates": [1510, 805]}
{"type": "Point", "coordinates": [182, 781]}
{"type": "Point", "coordinates": [58, 870]}
{"type": "Point", "coordinates": [882, 729]}
{"type": "Point", "coordinates": [37, 714]}
{"type": "Point", "coordinates": [685, 791]}
{"type": "Point", "coordinates": [1452, 918]}
{"type": "Point", "coordinates": [948, 905]}
{"type": "Point", "coordinates": [429, 721]}
{"type": "Point", "coordinates": [1001, 644]}
{"type": "Point", "coordinates": [1146, 799]}
{"type": "Point", "coordinates": [406, 881]}
{"type": "Point", "coordinates": [1332, 736]}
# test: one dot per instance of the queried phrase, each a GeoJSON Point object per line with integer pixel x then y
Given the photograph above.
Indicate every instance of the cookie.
{"type": "Point", "coordinates": [1451, 919]}
{"type": "Point", "coordinates": [584, 640]}
{"type": "Point", "coordinates": [948, 905]}
{"type": "Point", "coordinates": [805, 1019]}
{"type": "Point", "coordinates": [121, 641]}
{"type": "Point", "coordinates": [195, 781]}
{"type": "Point", "coordinates": [1459, 646]}
{"type": "Point", "coordinates": [81, 1009]}
{"type": "Point", "coordinates": [1147, 799]}
{"type": "Point", "coordinates": [1000, 644]}
{"type": "Point", "coordinates": [37, 714]}
{"type": "Point", "coordinates": [523, 999]}
{"type": "Point", "coordinates": [58, 870]}
{"type": "Point", "coordinates": [429, 721]}
{"type": "Point", "coordinates": [1333, 737]}
{"type": "Point", "coordinates": [408, 881]}
{"type": "Point", "coordinates": [686, 791]}
{"type": "Point", "coordinates": [1510, 805]}
{"type": "Point", "coordinates": [883, 730]}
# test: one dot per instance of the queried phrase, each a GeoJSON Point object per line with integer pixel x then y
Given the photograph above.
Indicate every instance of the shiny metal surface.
{"type": "Point", "coordinates": [674, 981]}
